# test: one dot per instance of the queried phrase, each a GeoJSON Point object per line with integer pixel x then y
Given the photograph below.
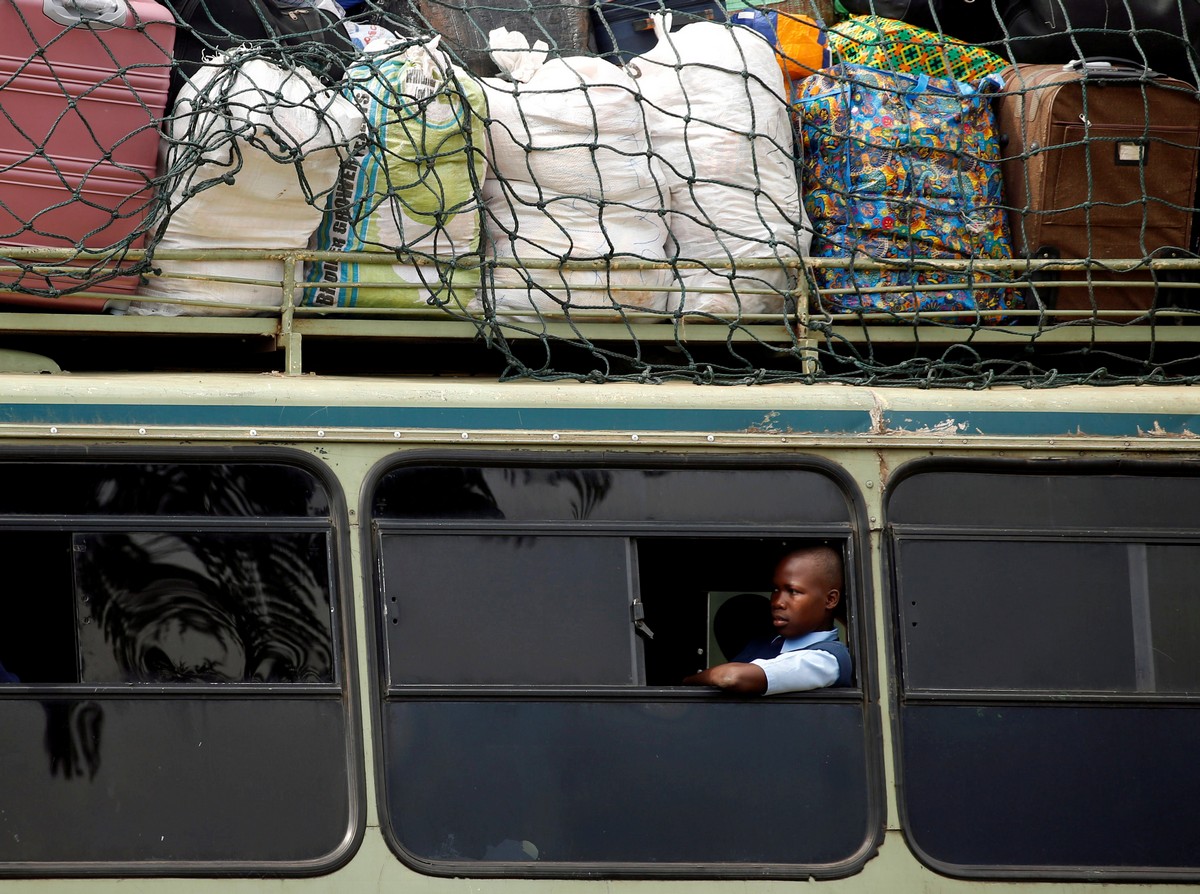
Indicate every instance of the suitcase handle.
{"type": "Point", "coordinates": [1111, 67]}
{"type": "Point", "coordinates": [99, 14]}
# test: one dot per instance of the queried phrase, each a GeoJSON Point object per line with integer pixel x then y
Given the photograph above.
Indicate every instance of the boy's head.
{"type": "Point", "coordinates": [807, 590]}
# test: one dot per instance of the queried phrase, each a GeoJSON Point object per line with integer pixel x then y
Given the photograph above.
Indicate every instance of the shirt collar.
{"type": "Point", "coordinates": [792, 643]}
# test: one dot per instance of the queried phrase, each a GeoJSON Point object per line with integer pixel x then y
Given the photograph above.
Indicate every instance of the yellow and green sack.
{"type": "Point", "coordinates": [412, 190]}
{"type": "Point", "coordinates": [893, 45]}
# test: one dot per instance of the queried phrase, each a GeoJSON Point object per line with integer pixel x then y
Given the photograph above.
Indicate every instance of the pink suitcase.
{"type": "Point", "coordinates": [83, 84]}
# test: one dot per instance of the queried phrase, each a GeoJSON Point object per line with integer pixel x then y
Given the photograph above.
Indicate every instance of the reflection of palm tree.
{"type": "Point", "coordinates": [471, 491]}
{"type": "Point", "coordinates": [256, 595]}
{"type": "Point", "coordinates": [255, 604]}
{"type": "Point", "coordinates": [591, 485]}
{"type": "Point", "coordinates": [73, 737]}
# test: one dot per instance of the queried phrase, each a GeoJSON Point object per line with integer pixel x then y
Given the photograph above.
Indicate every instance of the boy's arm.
{"type": "Point", "coordinates": [733, 677]}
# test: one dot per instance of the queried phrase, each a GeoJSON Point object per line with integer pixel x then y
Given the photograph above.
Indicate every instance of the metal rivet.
{"type": "Point", "coordinates": [395, 434]}
{"type": "Point", "coordinates": [554, 436]}
{"type": "Point", "coordinates": [141, 431]}
{"type": "Point", "coordinates": [320, 432]}
{"type": "Point", "coordinates": [465, 436]}
{"type": "Point", "coordinates": [54, 429]}
{"type": "Point", "coordinates": [634, 437]}
{"type": "Point", "coordinates": [710, 438]}
{"type": "Point", "coordinates": [870, 484]}
{"type": "Point", "coordinates": [254, 432]}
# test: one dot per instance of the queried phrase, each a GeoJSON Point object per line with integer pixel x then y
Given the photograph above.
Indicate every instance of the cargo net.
{"type": "Point", "coordinates": [611, 190]}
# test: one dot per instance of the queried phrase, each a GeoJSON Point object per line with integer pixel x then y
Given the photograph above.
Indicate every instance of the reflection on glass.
{"type": "Point", "coordinates": [209, 607]}
{"type": "Point", "coordinates": [752, 496]}
{"type": "Point", "coordinates": [249, 490]}
{"type": "Point", "coordinates": [73, 738]}
{"type": "Point", "coordinates": [499, 492]}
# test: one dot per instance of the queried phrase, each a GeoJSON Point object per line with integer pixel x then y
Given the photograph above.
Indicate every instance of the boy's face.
{"type": "Point", "coordinates": [802, 600]}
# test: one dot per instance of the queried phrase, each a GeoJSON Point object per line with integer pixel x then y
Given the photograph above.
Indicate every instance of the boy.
{"type": "Point", "coordinates": [806, 653]}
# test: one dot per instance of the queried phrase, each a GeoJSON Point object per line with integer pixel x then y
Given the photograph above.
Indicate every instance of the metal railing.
{"type": "Point", "coordinates": [795, 332]}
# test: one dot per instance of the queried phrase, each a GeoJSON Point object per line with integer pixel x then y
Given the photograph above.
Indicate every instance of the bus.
{"type": "Point", "coordinates": [378, 597]}
{"type": "Point", "coordinates": [403, 633]}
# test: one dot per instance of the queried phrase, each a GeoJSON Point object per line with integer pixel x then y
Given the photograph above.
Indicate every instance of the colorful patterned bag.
{"type": "Point", "coordinates": [902, 167]}
{"type": "Point", "coordinates": [895, 46]}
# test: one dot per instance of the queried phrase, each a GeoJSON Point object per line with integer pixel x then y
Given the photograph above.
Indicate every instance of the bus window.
{"type": "Point", "coordinates": [170, 639]}
{"type": "Point", "coordinates": [177, 607]}
{"type": "Point", "coordinates": [1049, 635]}
{"type": "Point", "coordinates": [539, 620]}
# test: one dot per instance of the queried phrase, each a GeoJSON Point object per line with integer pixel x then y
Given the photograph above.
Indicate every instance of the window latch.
{"type": "Point", "coordinates": [639, 619]}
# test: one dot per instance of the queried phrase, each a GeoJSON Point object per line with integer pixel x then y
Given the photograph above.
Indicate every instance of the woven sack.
{"type": "Point", "coordinates": [413, 189]}
{"type": "Point", "coordinates": [893, 45]}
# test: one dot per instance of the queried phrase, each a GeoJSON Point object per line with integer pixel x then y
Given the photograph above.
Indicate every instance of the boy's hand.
{"type": "Point", "coordinates": [732, 677]}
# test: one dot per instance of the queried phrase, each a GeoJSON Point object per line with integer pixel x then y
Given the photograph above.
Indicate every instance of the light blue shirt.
{"type": "Point", "coordinates": [798, 668]}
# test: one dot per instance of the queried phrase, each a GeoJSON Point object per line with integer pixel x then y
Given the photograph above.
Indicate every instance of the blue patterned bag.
{"type": "Point", "coordinates": [902, 167]}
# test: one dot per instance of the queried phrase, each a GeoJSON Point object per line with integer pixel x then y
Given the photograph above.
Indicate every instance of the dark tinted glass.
{"type": "Point", "coordinates": [516, 610]}
{"type": "Point", "coordinates": [1044, 591]}
{"type": "Point", "coordinates": [137, 780]}
{"type": "Point", "coordinates": [209, 607]}
{"type": "Point", "coordinates": [1060, 616]}
{"type": "Point", "coordinates": [597, 587]}
{"type": "Point", "coordinates": [731, 496]}
{"type": "Point", "coordinates": [166, 607]}
{"type": "Point", "coordinates": [1075, 786]}
{"type": "Point", "coordinates": [963, 498]}
{"type": "Point", "coordinates": [100, 776]}
{"type": "Point", "coordinates": [717, 781]}
{"type": "Point", "coordinates": [1004, 614]}
{"type": "Point", "coordinates": [236, 490]}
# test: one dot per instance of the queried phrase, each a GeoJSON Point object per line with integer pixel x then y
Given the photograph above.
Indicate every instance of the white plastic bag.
{"type": "Point", "coordinates": [573, 180]}
{"type": "Point", "coordinates": [719, 119]}
{"type": "Point", "coordinates": [252, 151]}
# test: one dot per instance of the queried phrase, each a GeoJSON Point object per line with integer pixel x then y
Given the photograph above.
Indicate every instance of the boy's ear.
{"type": "Point", "coordinates": [832, 598]}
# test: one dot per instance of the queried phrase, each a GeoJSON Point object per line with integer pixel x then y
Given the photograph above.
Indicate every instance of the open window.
{"type": "Point", "coordinates": [1049, 630]}
{"type": "Point", "coordinates": [537, 622]}
{"type": "Point", "coordinates": [175, 700]}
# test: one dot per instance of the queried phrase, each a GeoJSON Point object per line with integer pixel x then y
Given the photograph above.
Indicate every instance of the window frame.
{"type": "Point", "coordinates": [996, 698]}
{"type": "Point", "coordinates": [864, 692]}
{"type": "Point", "coordinates": [342, 690]}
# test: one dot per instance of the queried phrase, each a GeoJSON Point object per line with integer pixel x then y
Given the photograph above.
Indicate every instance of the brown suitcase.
{"type": "Point", "coordinates": [1098, 163]}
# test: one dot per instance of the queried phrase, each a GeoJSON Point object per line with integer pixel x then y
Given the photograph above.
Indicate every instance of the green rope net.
{"type": "Point", "coordinates": [618, 191]}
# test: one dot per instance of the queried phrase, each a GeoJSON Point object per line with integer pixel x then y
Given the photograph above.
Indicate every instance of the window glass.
{"type": "Point", "coordinates": [1065, 621]}
{"type": "Point", "coordinates": [1049, 631]}
{"type": "Point", "coordinates": [539, 623]}
{"type": "Point", "coordinates": [531, 493]}
{"type": "Point", "coordinates": [180, 607]}
{"type": "Point", "coordinates": [226, 577]}
{"type": "Point", "coordinates": [527, 610]}
{"type": "Point", "coordinates": [234, 490]}
{"type": "Point", "coordinates": [641, 780]}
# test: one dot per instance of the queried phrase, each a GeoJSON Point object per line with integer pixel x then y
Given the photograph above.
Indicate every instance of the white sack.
{"type": "Point", "coordinates": [719, 119]}
{"type": "Point", "coordinates": [573, 178]}
{"type": "Point", "coordinates": [253, 150]}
